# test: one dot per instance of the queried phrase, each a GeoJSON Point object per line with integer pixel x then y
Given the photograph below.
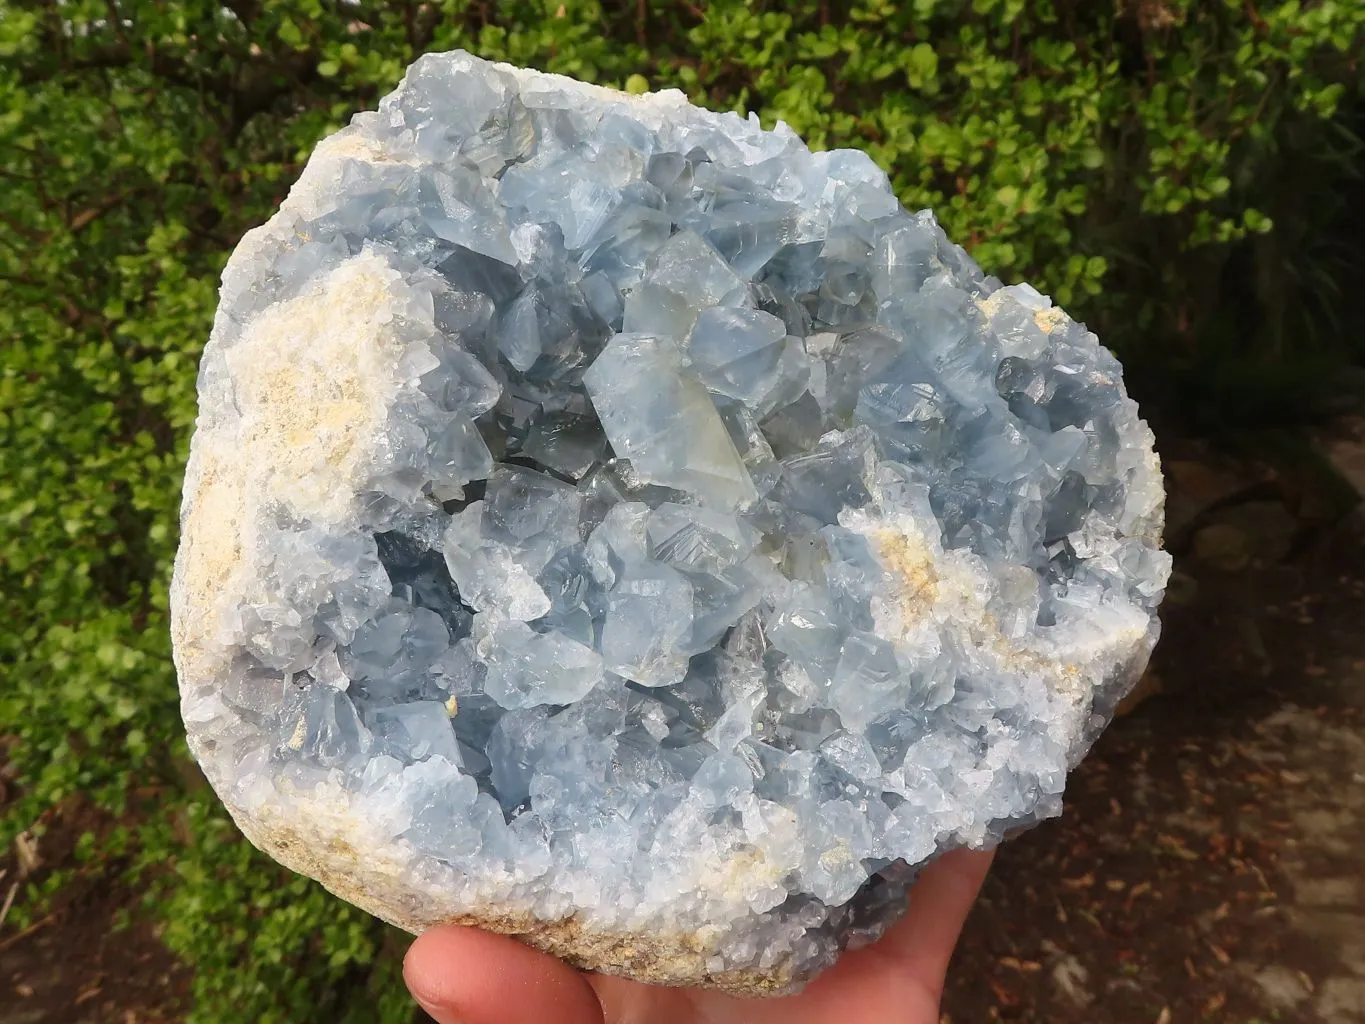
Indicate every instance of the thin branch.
{"type": "Point", "coordinates": [9, 902]}
{"type": "Point", "coordinates": [19, 936]}
{"type": "Point", "coordinates": [87, 217]}
{"type": "Point", "coordinates": [116, 20]}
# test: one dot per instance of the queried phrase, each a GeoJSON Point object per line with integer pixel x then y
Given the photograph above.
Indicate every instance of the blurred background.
{"type": "Point", "coordinates": [1186, 177]}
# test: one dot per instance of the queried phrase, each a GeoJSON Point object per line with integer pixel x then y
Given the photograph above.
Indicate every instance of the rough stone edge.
{"type": "Point", "coordinates": [328, 857]}
{"type": "Point", "coordinates": [678, 958]}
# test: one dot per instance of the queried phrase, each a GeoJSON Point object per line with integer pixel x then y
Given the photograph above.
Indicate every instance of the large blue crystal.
{"type": "Point", "coordinates": [612, 523]}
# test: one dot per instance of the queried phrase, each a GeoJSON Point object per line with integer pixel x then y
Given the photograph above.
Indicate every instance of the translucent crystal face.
{"type": "Point", "coordinates": [602, 508]}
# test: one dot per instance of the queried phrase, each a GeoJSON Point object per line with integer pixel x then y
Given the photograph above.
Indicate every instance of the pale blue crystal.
{"type": "Point", "coordinates": [747, 355]}
{"type": "Point", "coordinates": [688, 267]}
{"type": "Point", "coordinates": [661, 418]}
{"type": "Point", "coordinates": [689, 543]}
{"type": "Point", "coordinates": [646, 619]}
{"type": "Point", "coordinates": [697, 539]}
{"type": "Point", "coordinates": [566, 443]}
{"type": "Point", "coordinates": [418, 730]}
{"type": "Point", "coordinates": [526, 668]}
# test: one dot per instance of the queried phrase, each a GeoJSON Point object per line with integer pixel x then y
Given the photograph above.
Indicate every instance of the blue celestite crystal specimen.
{"type": "Point", "coordinates": [614, 524]}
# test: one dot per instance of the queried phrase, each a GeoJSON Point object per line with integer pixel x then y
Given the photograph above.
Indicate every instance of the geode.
{"type": "Point", "coordinates": [613, 524]}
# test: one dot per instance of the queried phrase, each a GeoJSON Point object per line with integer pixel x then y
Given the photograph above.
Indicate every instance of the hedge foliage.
{"type": "Point", "coordinates": [1130, 156]}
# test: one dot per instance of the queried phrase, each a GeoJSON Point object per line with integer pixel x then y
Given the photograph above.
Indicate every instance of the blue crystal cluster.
{"type": "Point", "coordinates": [724, 543]}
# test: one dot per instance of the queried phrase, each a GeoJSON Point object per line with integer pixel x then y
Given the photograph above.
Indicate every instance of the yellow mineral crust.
{"type": "Point", "coordinates": [313, 377]}
{"type": "Point", "coordinates": [928, 584]}
{"type": "Point", "coordinates": [312, 381]}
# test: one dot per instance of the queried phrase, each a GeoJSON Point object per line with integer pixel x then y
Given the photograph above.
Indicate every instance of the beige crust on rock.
{"type": "Point", "coordinates": [325, 848]}
{"type": "Point", "coordinates": [658, 959]}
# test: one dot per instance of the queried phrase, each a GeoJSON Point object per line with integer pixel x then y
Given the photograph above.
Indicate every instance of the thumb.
{"type": "Point", "coordinates": [940, 900]}
{"type": "Point", "coordinates": [466, 976]}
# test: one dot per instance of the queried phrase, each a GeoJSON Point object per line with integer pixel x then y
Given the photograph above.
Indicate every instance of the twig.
{"type": "Point", "coordinates": [9, 902]}
{"type": "Point", "coordinates": [17, 936]}
{"type": "Point", "coordinates": [117, 19]}
{"type": "Point", "coordinates": [84, 219]}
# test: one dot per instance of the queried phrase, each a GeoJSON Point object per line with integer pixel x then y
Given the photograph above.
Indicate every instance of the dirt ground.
{"type": "Point", "coordinates": [1209, 866]}
{"type": "Point", "coordinates": [91, 960]}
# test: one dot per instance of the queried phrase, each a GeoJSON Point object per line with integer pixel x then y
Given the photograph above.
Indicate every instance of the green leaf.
{"type": "Point", "coordinates": [921, 65]}
{"type": "Point", "coordinates": [290, 33]}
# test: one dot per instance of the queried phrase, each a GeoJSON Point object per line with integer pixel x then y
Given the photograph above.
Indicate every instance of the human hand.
{"type": "Point", "coordinates": [466, 976]}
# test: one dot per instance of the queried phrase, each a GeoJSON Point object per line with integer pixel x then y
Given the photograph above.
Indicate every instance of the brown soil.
{"type": "Point", "coordinates": [92, 959]}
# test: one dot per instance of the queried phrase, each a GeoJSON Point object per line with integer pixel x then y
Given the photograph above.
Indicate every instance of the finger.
{"type": "Point", "coordinates": [922, 942]}
{"type": "Point", "coordinates": [467, 976]}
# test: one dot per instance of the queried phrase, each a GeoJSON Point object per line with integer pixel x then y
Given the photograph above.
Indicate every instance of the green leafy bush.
{"type": "Point", "coordinates": [1145, 161]}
